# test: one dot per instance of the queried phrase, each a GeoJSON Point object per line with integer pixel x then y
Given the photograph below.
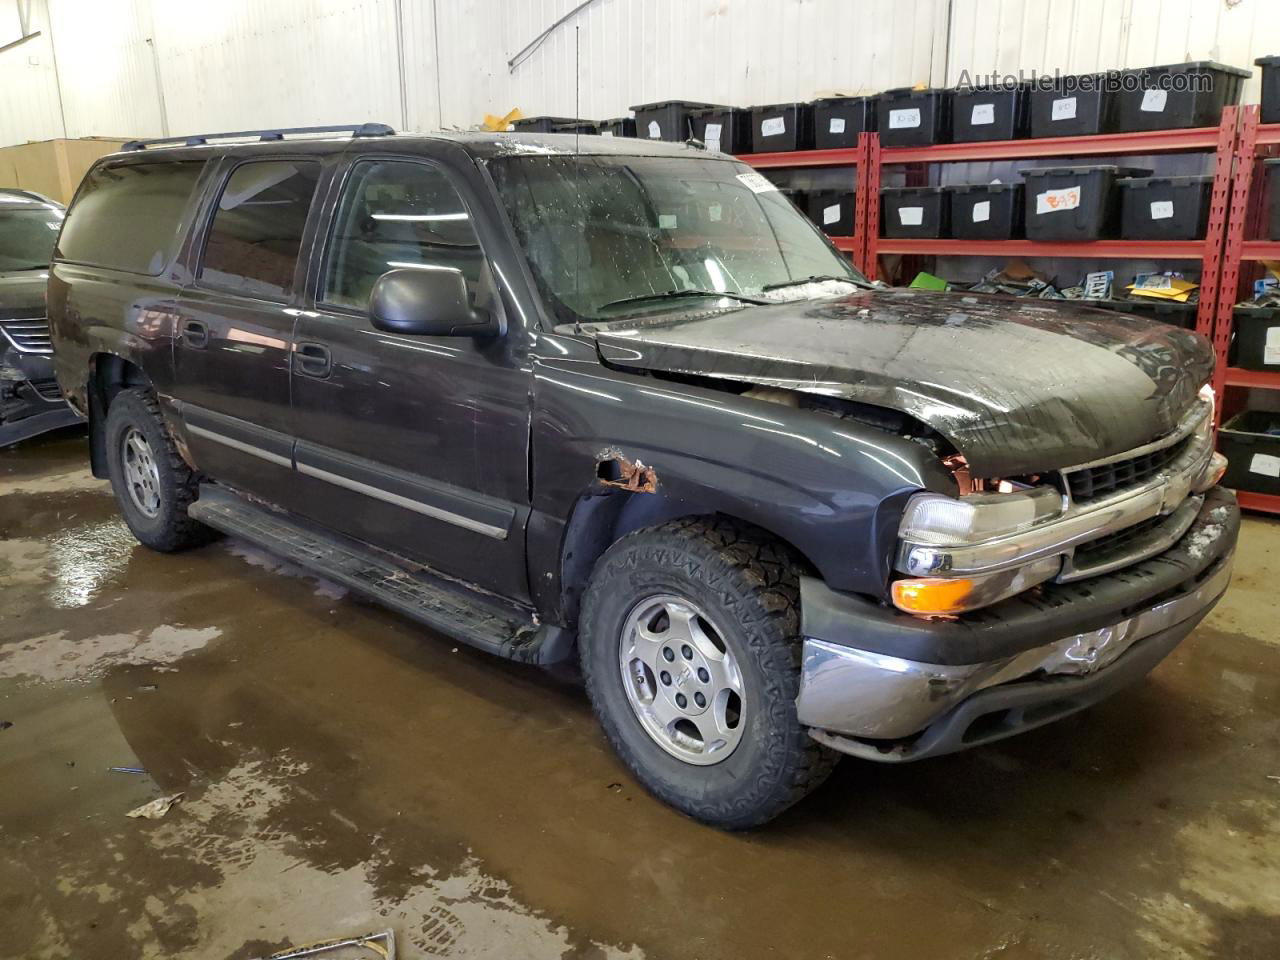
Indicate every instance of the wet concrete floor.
{"type": "Point", "coordinates": [344, 771]}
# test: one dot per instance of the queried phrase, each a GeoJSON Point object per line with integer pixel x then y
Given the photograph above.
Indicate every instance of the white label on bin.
{"type": "Point", "coordinates": [911, 216]}
{"type": "Point", "coordinates": [655, 131]}
{"type": "Point", "coordinates": [773, 126]}
{"type": "Point", "coordinates": [715, 212]}
{"type": "Point", "coordinates": [1265, 464]}
{"type": "Point", "coordinates": [837, 125]}
{"type": "Point", "coordinates": [832, 213]}
{"type": "Point", "coordinates": [756, 183]}
{"type": "Point", "coordinates": [983, 113]}
{"type": "Point", "coordinates": [711, 136]}
{"type": "Point", "coordinates": [1064, 109]}
{"type": "Point", "coordinates": [1271, 347]}
{"type": "Point", "coordinates": [900, 119]}
{"type": "Point", "coordinates": [982, 211]}
{"type": "Point", "coordinates": [1153, 101]}
{"type": "Point", "coordinates": [606, 133]}
{"type": "Point", "coordinates": [666, 221]}
{"type": "Point", "coordinates": [1161, 209]}
{"type": "Point", "coordinates": [1051, 201]}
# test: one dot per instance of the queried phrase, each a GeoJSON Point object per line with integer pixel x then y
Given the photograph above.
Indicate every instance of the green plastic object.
{"type": "Point", "coordinates": [927, 281]}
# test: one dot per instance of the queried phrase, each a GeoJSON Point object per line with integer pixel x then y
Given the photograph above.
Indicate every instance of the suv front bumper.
{"type": "Point", "coordinates": [886, 686]}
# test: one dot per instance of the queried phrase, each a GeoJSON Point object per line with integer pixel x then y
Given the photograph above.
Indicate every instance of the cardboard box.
{"type": "Point", "coordinates": [52, 167]}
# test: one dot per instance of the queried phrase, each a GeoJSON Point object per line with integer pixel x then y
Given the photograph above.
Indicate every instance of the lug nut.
{"type": "Point", "coordinates": [703, 675]}
{"type": "Point", "coordinates": [699, 699]}
{"type": "Point", "coordinates": [681, 702]}
{"type": "Point", "coordinates": [665, 678]}
{"type": "Point", "coordinates": [686, 652]}
{"type": "Point", "coordinates": [667, 655]}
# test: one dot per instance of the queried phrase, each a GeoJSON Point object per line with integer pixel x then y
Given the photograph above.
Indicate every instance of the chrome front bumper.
{"type": "Point", "coordinates": [883, 707]}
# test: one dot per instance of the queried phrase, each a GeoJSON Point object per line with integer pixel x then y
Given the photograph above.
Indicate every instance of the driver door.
{"type": "Point", "coordinates": [415, 444]}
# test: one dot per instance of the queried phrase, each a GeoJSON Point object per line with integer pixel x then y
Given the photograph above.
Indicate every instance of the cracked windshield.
{"type": "Point", "coordinates": [612, 237]}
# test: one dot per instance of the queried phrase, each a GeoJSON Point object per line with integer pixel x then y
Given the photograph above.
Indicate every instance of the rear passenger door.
{"type": "Point", "coordinates": [417, 444]}
{"type": "Point", "coordinates": [235, 329]}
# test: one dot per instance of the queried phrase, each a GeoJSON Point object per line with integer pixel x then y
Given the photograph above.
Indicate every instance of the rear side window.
{"type": "Point", "coordinates": [256, 233]}
{"type": "Point", "coordinates": [126, 216]}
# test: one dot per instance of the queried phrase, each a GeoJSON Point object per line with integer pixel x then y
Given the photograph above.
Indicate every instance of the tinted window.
{"type": "Point", "coordinates": [27, 236]}
{"type": "Point", "coordinates": [398, 214]}
{"type": "Point", "coordinates": [256, 233]}
{"type": "Point", "coordinates": [126, 216]}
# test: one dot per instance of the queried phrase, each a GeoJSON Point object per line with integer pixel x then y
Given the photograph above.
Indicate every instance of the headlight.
{"type": "Point", "coordinates": [935, 520]}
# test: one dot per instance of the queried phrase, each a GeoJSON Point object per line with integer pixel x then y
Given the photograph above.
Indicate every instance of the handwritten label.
{"type": "Point", "coordinates": [911, 216]}
{"type": "Point", "coordinates": [983, 113]}
{"type": "Point", "coordinates": [1153, 101]}
{"type": "Point", "coordinates": [1053, 201]}
{"type": "Point", "coordinates": [1265, 464]}
{"type": "Point", "coordinates": [1064, 109]}
{"type": "Point", "coordinates": [836, 125]}
{"type": "Point", "coordinates": [982, 211]}
{"type": "Point", "coordinates": [655, 131]}
{"type": "Point", "coordinates": [1161, 209]}
{"type": "Point", "coordinates": [1271, 347]}
{"type": "Point", "coordinates": [830, 214]}
{"type": "Point", "coordinates": [773, 126]}
{"type": "Point", "coordinates": [902, 119]}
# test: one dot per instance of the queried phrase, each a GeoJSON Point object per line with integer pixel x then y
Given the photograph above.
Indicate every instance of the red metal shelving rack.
{"type": "Point", "coordinates": [1219, 140]}
{"type": "Point", "coordinates": [1254, 141]}
{"type": "Point", "coordinates": [856, 157]}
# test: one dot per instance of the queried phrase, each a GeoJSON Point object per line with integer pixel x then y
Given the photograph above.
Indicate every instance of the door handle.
{"type": "Point", "coordinates": [195, 334]}
{"type": "Point", "coordinates": [313, 359]}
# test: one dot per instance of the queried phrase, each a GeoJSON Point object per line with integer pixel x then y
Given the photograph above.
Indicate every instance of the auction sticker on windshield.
{"type": "Point", "coordinates": [756, 183]}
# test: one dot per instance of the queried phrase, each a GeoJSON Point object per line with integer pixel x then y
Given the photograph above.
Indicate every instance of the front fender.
{"type": "Point", "coordinates": [832, 488]}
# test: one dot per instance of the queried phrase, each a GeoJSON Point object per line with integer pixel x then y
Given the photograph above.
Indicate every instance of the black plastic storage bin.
{"type": "Point", "coordinates": [837, 121]}
{"type": "Point", "coordinates": [1270, 88]}
{"type": "Point", "coordinates": [1166, 311]}
{"type": "Point", "coordinates": [799, 197]}
{"type": "Point", "coordinates": [995, 113]}
{"type": "Point", "coordinates": [987, 211]}
{"type": "Point", "coordinates": [1257, 338]}
{"type": "Point", "coordinates": [1272, 167]}
{"type": "Point", "coordinates": [724, 130]}
{"type": "Point", "coordinates": [618, 127]}
{"type": "Point", "coordinates": [1169, 96]}
{"type": "Point", "coordinates": [914, 212]}
{"type": "Point", "coordinates": [668, 120]}
{"type": "Point", "coordinates": [913, 118]}
{"type": "Point", "coordinates": [833, 211]}
{"type": "Point", "coordinates": [1076, 106]}
{"type": "Point", "coordinates": [1164, 208]}
{"type": "Point", "coordinates": [1074, 204]}
{"type": "Point", "coordinates": [781, 127]}
{"type": "Point", "coordinates": [1251, 443]}
{"type": "Point", "coordinates": [553, 125]}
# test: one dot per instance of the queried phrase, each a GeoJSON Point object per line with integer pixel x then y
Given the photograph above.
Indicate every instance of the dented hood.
{"type": "Point", "coordinates": [1017, 386]}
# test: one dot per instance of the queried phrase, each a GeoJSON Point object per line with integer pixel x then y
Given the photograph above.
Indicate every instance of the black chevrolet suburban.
{"type": "Point", "coordinates": [617, 402]}
{"type": "Point", "coordinates": [30, 403]}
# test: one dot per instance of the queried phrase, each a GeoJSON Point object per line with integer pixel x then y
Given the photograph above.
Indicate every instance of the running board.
{"type": "Point", "coordinates": [452, 608]}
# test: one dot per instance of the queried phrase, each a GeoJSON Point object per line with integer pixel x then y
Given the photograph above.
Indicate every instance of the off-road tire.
{"type": "Point", "coordinates": [747, 582]}
{"type": "Point", "coordinates": [171, 529]}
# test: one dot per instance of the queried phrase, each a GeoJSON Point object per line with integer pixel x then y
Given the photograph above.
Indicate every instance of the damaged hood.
{"type": "Point", "coordinates": [1017, 386]}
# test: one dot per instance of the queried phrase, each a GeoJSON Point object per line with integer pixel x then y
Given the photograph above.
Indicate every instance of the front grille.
{"type": "Point", "coordinates": [28, 334]}
{"type": "Point", "coordinates": [1115, 542]}
{"type": "Point", "coordinates": [46, 390]}
{"type": "Point", "coordinates": [1106, 478]}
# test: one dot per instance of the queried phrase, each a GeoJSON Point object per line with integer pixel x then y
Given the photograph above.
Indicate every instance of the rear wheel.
{"type": "Point", "coordinates": [690, 652]}
{"type": "Point", "coordinates": [152, 483]}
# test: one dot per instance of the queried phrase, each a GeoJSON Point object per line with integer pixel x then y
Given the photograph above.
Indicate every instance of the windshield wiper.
{"type": "Point", "coordinates": [673, 294]}
{"type": "Point", "coordinates": [813, 279]}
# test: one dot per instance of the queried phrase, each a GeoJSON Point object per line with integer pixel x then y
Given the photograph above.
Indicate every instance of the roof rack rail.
{"type": "Point", "coordinates": [355, 129]}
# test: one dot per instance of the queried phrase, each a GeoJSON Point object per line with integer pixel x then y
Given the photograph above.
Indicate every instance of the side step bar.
{"type": "Point", "coordinates": [453, 609]}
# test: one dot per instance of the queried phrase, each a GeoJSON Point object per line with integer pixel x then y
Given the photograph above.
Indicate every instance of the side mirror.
{"type": "Point", "coordinates": [427, 302]}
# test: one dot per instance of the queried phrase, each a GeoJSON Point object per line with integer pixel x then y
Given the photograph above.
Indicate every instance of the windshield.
{"type": "Point", "coordinates": [27, 237]}
{"type": "Point", "coordinates": [614, 236]}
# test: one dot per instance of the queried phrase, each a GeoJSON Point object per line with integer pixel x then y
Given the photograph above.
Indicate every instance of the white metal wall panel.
{"type": "Point", "coordinates": [29, 106]}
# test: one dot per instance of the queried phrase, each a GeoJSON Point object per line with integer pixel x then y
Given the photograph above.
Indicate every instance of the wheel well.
{"type": "Point", "coordinates": [108, 375]}
{"type": "Point", "coordinates": [601, 519]}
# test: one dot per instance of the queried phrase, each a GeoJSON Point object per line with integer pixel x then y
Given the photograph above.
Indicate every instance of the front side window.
{"type": "Point", "coordinates": [612, 236]}
{"type": "Point", "coordinates": [27, 235]}
{"type": "Point", "coordinates": [127, 216]}
{"type": "Point", "coordinates": [398, 214]}
{"type": "Point", "coordinates": [256, 233]}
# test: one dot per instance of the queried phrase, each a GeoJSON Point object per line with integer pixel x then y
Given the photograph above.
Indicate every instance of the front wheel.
{"type": "Point", "coordinates": [690, 651]}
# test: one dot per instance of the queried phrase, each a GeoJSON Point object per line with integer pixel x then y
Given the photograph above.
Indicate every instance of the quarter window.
{"type": "Point", "coordinates": [396, 214]}
{"type": "Point", "coordinates": [256, 233]}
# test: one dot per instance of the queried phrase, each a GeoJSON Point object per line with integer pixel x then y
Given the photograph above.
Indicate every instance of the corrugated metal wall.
{"type": "Point", "coordinates": [226, 64]}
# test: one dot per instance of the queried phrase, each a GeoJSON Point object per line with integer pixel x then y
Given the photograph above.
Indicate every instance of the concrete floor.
{"type": "Point", "coordinates": [344, 771]}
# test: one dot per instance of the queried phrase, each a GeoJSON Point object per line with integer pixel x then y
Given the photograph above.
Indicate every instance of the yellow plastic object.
{"type": "Point", "coordinates": [499, 124]}
{"type": "Point", "coordinates": [930, 595]}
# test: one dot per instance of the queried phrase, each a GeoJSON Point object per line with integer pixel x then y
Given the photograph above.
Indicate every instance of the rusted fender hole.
{"type": "Point", "coordinates": [615, 470]}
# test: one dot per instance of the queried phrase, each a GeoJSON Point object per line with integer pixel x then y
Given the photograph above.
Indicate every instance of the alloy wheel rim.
{"type": "Point", "coordinates": [141, 472]}
{"type": "Point", "coordinates": [682, 680]}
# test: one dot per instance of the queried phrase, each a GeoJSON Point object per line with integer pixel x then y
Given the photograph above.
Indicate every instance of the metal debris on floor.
{"type": "Point", "coordinates": [382, 944]}
{"type": "Point", "coordinates": [156, 808]}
